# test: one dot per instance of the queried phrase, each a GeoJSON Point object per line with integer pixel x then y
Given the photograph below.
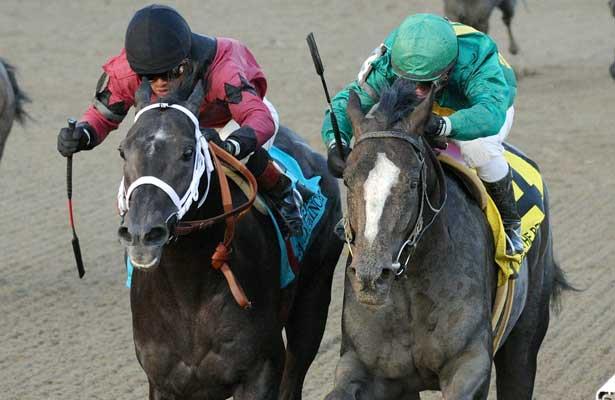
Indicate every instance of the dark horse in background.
{"type": "Point", "coordinates": [427, 329]}
{"type": "Point", "coordinates": [192, 339]}
{"type": "Point", "coordinates": [12, 99]}
{"type": "Point", "coordinates": [476, 13]}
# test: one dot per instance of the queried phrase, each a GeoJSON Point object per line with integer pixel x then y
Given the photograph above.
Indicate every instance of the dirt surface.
{"type": "Point", "coordinates": [61, 338]}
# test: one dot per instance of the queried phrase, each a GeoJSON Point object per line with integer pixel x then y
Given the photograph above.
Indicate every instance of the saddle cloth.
{"type": "Point", "coordinates": [528, 189]}
{"type": "Point", "coordinates": [292, 250]}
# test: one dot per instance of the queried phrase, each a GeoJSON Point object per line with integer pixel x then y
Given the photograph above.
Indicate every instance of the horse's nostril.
{"type": "Point", "coordinates": [384, 276]}
{"type": "Point", "coordinates": [156, 235]}
{"type": "Point", "coordinates": [124, 235]}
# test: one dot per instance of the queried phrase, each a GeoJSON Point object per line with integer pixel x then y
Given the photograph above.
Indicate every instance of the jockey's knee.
{"type": "Point", "coordinates": [486, 155]}
{"type": "Point", "coordinates": [493, 170]}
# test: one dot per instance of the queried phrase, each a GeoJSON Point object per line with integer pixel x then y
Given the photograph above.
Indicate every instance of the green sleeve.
{"type": "Point", "coordinates": [339, 103]}
{"type": "Point", "coordinates": [377, 79]}
{"type": "Point", "coordinates": [489, 94]}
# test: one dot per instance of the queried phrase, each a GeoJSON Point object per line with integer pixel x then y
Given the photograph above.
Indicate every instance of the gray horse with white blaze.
{"type": "Point", "coordinates": [476, 13]}
{"type": "Point", "coordinates": [429, 328]}
{"type": "Point", "coordinates": [11, 102]}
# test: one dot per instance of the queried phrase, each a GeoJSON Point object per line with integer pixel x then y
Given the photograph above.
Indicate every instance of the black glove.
{"type": "Point", "coordinates": [437, 126]}
{"type": "Point", "coordinates": [82, 138]}
{"type": "Point", "coordinates": [241, 143]}
{"type": "Point", "coordinates": [335, 163]}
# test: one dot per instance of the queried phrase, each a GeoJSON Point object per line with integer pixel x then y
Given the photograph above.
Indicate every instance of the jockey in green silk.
{"type": "Point", "coordinates": [475, 91]}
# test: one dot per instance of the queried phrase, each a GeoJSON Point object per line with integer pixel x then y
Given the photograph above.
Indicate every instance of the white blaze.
{"type": "Point", "coordinates": [159, 136]}
{"type": "Point", "coordinates": [376, 190]}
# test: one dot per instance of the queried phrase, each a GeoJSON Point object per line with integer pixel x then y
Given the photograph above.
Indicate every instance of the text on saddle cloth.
{"type": "Point", "coordinates": [529, 194]}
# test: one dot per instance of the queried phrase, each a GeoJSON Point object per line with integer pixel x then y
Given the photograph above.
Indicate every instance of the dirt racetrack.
{"type": "Point", "coordinates": [61, 338]}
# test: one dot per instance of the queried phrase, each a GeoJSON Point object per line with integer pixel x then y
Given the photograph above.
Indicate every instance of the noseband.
{"type": "Point", "coordinates": [421, 148]}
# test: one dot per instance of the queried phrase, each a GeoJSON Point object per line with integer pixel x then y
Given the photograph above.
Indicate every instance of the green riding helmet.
{"type": "Point", "coordinates": [424, 48]}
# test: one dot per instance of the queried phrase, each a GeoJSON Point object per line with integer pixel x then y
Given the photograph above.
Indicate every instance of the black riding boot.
{"type": "Point", "coordinates": [502, 194]}
{"type": "Point", "coordinates": [274, 184]}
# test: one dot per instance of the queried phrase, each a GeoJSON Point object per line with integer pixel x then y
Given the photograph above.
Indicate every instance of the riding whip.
{"type": "Point", "coordinates": [320, 70]}
{"type": "Point", "coordinates": [69, 191]}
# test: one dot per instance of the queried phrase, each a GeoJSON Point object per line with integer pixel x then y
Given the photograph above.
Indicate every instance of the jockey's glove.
{"type": "Point", "coordinates": [438, 126]}
{"type": "Point", "coordinates": [81, 138]}
{"type": "Point", "coordinates": [241, 143]}
{"type": "Point", "coordinates": [336, 163]}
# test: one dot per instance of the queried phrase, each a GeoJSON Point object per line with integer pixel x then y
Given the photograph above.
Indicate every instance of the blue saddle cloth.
{"type": "Point", "coordinates": [312, 211]}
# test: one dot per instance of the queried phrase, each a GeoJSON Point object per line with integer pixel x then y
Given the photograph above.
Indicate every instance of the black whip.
{"type": "Point", "coordinates": [320, 70]}
{"type": "Point", "coordinates": [69, 191]}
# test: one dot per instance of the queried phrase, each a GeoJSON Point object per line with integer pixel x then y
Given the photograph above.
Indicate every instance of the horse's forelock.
{"type": "Point", "coordinates": [396, 102]}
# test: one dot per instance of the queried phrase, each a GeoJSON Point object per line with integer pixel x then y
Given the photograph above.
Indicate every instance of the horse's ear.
{"type": "Point", "coordinates": [196, 98]}
{"type": "Point", "coordinates": [419, 117]}
{"type": "Point", "coordinates": [355, 113]}
{"type": "Point", "coordinates": [143, 94]}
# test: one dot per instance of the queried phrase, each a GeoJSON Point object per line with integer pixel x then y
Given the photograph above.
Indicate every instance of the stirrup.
{"type": "Point", "coordinates": [511, 249]}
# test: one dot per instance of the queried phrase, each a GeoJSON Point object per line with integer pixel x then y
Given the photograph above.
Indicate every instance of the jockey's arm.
{"type": "Point", "coordinates": [488, 93]}
{"type": "Point", "coordinates": [376, 82]}
{"type": "Point", "coordinates": [249, 111]}
{"type": "Point", "coordinates": [107, 110]}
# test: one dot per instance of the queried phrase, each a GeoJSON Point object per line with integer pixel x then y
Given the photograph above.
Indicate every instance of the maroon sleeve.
{"type": "Point", "coordinates": [113, 98]}
{"type": "Point", "coordinates": [238, 80]}
{"type": "Point", "coordinates": [247, 108]}
{"type": "Point", "coordinates": [102, 126]}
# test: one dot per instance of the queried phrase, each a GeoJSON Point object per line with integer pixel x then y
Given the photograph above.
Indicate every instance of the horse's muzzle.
{"type": "Point", "coordinates": [370, 284]}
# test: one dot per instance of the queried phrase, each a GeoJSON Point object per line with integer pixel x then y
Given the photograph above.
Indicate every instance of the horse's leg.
{"type": "Point", "coordinates": [306, 323]}
{"type": "Point", "coordinates": [467, 377]}
{"type": "Point", "coordinates": [351, 378]}
{"type": "Point", "coordinates": [155, 394]}
{"type": "Point", "coordinates": [262, 381]}
{"type": "Point", "coordinates": [508, 12]}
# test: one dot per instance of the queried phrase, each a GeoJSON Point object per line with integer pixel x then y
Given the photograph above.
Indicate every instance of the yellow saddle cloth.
{"type": "Point", "coordinates": [528, 188]}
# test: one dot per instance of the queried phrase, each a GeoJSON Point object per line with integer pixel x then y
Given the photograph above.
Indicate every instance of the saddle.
{"type": "Point", "coordinates": [529, 195]}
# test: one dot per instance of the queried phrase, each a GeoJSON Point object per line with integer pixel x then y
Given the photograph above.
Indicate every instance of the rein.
{"type": "Point", "coordinates": [411, 242]}
{"type": "Point", "coordinates": [208, 156]}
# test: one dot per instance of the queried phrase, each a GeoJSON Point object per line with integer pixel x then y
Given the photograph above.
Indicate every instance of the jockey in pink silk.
{"type": "Point", "coordinates": [160, 47]}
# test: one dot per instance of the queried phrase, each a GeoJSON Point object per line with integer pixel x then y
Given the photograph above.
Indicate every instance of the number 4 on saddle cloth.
{"type": "Point", "coordinates": [528, 188]}
{"type": "Point", "coordinates": [292, 250]}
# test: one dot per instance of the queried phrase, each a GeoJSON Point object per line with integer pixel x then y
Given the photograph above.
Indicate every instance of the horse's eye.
{"type": "Point", "coordinates": [187, 155]}
{"type": "Point", "coordinates": [414, 184]}
{"type": "Point", "coordinates": [121, 153]}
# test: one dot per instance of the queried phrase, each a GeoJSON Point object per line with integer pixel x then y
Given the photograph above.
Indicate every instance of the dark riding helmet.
{"type": "Point", "coordinates": [157, 40]}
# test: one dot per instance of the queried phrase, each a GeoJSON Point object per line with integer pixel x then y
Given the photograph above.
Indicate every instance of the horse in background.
{"type": "Point", "coordinates": [12, 99]}
{"type": "Point", "coordinates": [476, 13]}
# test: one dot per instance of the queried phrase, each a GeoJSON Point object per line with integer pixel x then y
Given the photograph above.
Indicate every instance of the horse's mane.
{"type": "Point", "coordinates": [396, 102]}
{"type": "Point", "coordinates": [20, 96]}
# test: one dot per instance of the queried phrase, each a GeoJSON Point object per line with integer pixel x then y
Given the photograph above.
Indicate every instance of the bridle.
{"type": "Point", "coordinates": [414, 236]}
{"type": "Point", "coordinates": [202, 164]}
{"type": "Point", "coordinates": [209, 157]}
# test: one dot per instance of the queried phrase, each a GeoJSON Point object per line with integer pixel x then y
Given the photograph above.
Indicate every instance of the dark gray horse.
{"type": "Point", "coordinates": [428, 329]}
{"type": "Point", "coordinates": [12, 99]}
{"type": "Point", "coordinates": [476, 13]}
{"type": "Point", "coordinates": [192, 340]}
